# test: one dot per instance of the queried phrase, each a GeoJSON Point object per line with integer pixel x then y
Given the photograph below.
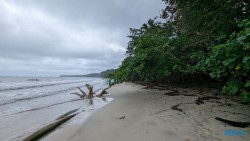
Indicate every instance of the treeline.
{"type": "Point", "coordinates": [199, 41]}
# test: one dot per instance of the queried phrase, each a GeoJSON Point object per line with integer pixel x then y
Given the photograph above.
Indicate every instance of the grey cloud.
{"type": "Point", "coordinates": [61, 36]}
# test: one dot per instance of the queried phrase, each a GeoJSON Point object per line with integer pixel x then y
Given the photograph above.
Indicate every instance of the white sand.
{"type": "Point", "coordinates": [149, 117]}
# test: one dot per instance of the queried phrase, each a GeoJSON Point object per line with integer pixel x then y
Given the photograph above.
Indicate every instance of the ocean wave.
{"type": "Point", "coordinates": [36, 86]}
{"type": "Point", "coordinates": [13, 100]}
{"type": "Point", "coordinates": [39, 108]}
{"type": "Point", "coordinates": [30, 97]}
{"type": "Point", "coordinates": [35, 79]}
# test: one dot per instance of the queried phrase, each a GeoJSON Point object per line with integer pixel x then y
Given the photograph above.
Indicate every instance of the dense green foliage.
{"type": "Point", "coordinates": [230, 62]}
{"type": "Point", "coordinates": [200, 40]}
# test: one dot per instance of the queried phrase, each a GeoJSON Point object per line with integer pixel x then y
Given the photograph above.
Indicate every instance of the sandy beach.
{"type": "Point", "coordinates": [125, 70]}
{"type": "Point", "coordinates": [138, 114]}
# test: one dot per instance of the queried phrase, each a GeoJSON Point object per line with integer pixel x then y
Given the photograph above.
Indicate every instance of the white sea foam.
{"type": "Point", "coordinates": [20, 94]}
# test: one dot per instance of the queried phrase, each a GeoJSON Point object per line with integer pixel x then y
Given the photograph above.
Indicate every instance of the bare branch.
{"type": "Point", "coordinates": [103, 92]}
{"type": "Point", "coordinates": [80, 95]}
{"type": "Point", "coordinates": [84, 94]}
{"type": "Point", "coordinates": [96, 90]}
{"type": "Point", "coordinates": [90, 94]}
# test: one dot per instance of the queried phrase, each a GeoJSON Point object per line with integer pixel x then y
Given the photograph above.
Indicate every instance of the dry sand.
{"type": "Point", "coordinates": [138, 114]}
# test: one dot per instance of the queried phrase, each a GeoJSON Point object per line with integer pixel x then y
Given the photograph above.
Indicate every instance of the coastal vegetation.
{"type": "Point", "coordinates": [198, 41]}
{"type": "Point", "coordinates": [103, 74]}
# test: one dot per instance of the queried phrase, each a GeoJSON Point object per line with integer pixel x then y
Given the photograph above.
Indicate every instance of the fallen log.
{"type": "Point", "coordinates": [234, 123]}
{"type": "Point", "coordinates": [45, 130]}
{"type": "Point", "coordinates": [66, 114]}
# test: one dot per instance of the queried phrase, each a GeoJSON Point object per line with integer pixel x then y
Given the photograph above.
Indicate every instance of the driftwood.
{"type": "Point", "coordinates": [80, 95]}
{"type": "Point", "coordinates": [66, 114]}
{"type": "Point", "coordinates": [234, 123]}
{"type": "Point", "coordinates": [90, 94]}
{"type": "Point", "coordinates": [171, 93]}
{"type": "Point", "coordinates": [83, 93]}
{"type": "Point", "coordinates": [156, 87]}
{"type": "Point", "coordinates": [45, 130]}
{"type": "Point", "coordinates": [97, 90]}
{"type": "Point", "coordinates": [103, 92]}
{"type": "Point", "coordinates": [123, 117]}
{"type": "Point", "coordinates": [175, 107]}
{"type": "Point", "coordinates": [201, 100]}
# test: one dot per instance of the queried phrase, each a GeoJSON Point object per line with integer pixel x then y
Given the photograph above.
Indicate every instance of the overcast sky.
{"type": "Point", "coordinates": [54, 37]}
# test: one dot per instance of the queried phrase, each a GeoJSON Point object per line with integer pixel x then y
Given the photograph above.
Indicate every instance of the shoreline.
{"type": "Point", "coordinates": [133, 112]}
{"type": "Point", "coordinates": [19, 126]}
{"type": "Point", "coordinates": [138, 114]}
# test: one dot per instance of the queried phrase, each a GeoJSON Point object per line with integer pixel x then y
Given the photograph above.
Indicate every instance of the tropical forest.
{"type": "Point", "coordinates": [192, 41]}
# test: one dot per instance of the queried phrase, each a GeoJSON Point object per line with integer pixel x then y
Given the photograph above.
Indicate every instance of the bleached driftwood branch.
{"type": "Point", "coordinates": [80, 95]}
{"type": "Point", "coordinates": [96, 91]}
{"type": "Point", "coordinates": [90, 94]}
{"type": "Point", "coordinates": [103, 92]}
{"type": "Point", "coordinates": [84, 94]}
{"type": "Point", "coordinates": [90, 88]}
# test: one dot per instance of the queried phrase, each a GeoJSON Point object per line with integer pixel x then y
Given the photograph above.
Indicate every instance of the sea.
{"type": "Point", "coordinates": [22, 94]}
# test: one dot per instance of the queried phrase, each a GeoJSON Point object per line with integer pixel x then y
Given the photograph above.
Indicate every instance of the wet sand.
{"type": "Point", "coordinates": [138, 114]}
{"type": "Point", "coordinates": [16, 126]}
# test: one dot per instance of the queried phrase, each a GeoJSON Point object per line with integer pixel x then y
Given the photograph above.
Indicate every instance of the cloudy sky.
{"type": "Point", "coordinates": [53, 37]}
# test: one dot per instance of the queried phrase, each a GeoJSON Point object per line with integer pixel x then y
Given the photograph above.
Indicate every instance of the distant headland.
{"type": "Point", "coordinates": [103, 74]}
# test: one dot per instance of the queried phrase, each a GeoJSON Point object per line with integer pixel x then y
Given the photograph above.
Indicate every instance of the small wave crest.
{"type": "Point", "coordinates": [34, 97]}
{"type": "Point", "coordinates": [33, 79]}
{"type": "Point", "coordinates": [36, 86]}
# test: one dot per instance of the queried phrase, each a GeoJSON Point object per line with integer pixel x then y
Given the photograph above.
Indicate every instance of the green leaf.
{"type": "Point", "coordinates": [228, 61]}
{"type": "Point", "coordinates": [247, 84]}
{"type": "Point", "coordinates": [245, 59]}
